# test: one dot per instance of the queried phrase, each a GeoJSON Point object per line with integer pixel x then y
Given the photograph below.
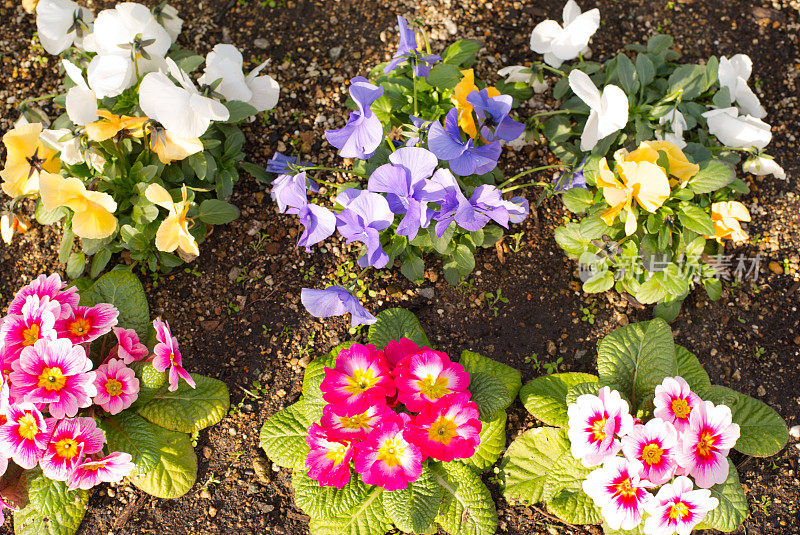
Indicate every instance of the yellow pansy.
{"type": "Point", "coordinates": [30, 5]}
{"type": "Point", "coordinates": [26, 158]}
{"type": "Point", "coordinates": [110, 125]}
{"type": "Point", "coordinates": [174, 230]}
{"type": "Point", "coordinates": [93, 211]}
{"type": "Point", "coordinates": [170, 148]}
{"type": "Point", "coordinates": [466, 86]}
{"type": "Point", "coordinates": [726, 217]}
{"type": "Point", "coordinates": [679, 166]}
{"type": "Point", "coordinates": [641, 180]}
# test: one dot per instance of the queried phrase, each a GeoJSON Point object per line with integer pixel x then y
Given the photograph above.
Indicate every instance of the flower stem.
{"type": "Point", "coordinates": [414, 76]}
{"type": "Point", "coordinates": [334, 169]}
{"type": "Point", "coordinates": [36, 99]}
{"type": "Point", "coordinates": [528, 172]}
{"type": "Point", "coordinates": [521, 186]}
{"type": "Point", "coordinates": [557, 112]}
{"type": "Point", "coordinates": [547, 67]}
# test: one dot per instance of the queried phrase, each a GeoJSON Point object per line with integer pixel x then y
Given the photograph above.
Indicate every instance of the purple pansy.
{"type": "Point", "coordinates": [518, 214]}
{"type": "Point", "coordinates": [572, 179]}
{"type": "Point", "coordinates": [318, 223]}
{"type": "Point", "coordinates": [407, 50]}
{"type": "Point", "coordinates": [404, 182]}
{"type": "Point", "coordinates": [281, 164]}
{"type": "Point", "coordinates": [419, 127]}
{"type": "Point", "coordinates": [464, 158]}
{"type": "Point", "coordinates": [365, 214]}
{"type": "Point", "coordinates": [471, 214]}
{"type": "Point", "coordinates": [493, 113]}
{"type": "Point", "coordinates": [363, 133]}
{"type": "Point", "coordinates": [289, 192]}
{"type": "Point", "coordinates": [335, 301]}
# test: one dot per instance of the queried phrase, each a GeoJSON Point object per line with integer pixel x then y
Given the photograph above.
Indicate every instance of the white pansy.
{"type": "Point", "coordinates": [519, 74]}
{"type": "Point", "coordinates": [61, 24]}
{"type": "Point", "coordinates": [738, 131]}
{"type": "Point", "coordinates": [224, 63]}
{"type": "Point", "coordinates": [561, 43]}
{"type": "Point", "coordinates": [761, 166]}
{"type": "Point", "coordinates": [110, 74]}
{"type": "Point", "coordinates": [81, 100]}
{"type": "Point", "coordinates": [181, 110]}
{"type": "Point", "coordinates": [70, 149]}
{"type": "Point", "coordinates": [116, 30]}
{"type": "Point", "coordinates": [608, 110]}
{"type": "Point", "coordinates": [167, 16]}
{"type": "Point", "coordinates": [734, 74]}
{"type": "Point", "coordinates": [266, 90]}
{"type": "Point", "coordinates": [677, 125]}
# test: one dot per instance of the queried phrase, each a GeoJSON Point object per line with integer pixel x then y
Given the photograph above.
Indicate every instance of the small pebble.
{"type": "Point", "coordinates": [794, 432]}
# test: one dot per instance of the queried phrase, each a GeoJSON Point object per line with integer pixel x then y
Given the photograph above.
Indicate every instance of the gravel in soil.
{"type": "Point", "coordinates": [237, 310]}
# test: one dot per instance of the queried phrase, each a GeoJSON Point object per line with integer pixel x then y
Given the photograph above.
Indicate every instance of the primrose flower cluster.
{"type": "Point", "coordinates": [132, 111]}
{"type": "Point", "coordinates": [428, 181]}
{"type": "Point", "coordinates": [51, 391]}
{"type": "Point", "coordinates": [681, 452]}
{"type": "Point", "coordinates": [387, 411]}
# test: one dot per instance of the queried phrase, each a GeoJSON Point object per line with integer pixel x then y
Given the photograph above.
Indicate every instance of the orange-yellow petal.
{"type": "Point", "coordinates": [170, 148]}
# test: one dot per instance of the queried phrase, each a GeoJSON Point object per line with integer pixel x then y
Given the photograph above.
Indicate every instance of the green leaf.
{"type": "Point", "coordinates": [493, 440]}
{"type": "Point", "coordinates": [189, 409]}
{"type": "Point", "coordinates": [467, 507]}
{"type": "Point", "coordinates": [690, 79]}
{"type": "Point", "coordinates": [394, 324]}
{"type": "Point", "coordinates": [566, 473]}
{"type": "Point", "coordinates": [444, 76]}
{"type": "Point", "coordinates": [256, 171]}
{"type": "Point", "coordinates": [645, 70]}
{"type": "Point", "coordinates": [575, 507]}
{"type": "Point", "coordinates": [462, 51]}
{"type": "Point", "coordinates": [75, 265]}
{"type": "Point", "coordinates": [216, 212]}
{"type": "Point", "coordinates": [414, 508]}
{"type": "Point", "coordinates": [635, 359]}
{"type": "Point", "coordinates": [659, 43]}
{"type": "Point", "coordinates": [51, 508]}
{"type": "Point", "coordinates": [413, 269]}
{"type": "Point", "coordinates": [763, 431]}
{"type": "Point", "coordinates": [473, 362]}
{"type": "Point", "coordinates": [489, 393]}
{"type": "Point", "coordinates": [283, 437]}
{"type": "Point", "coordinates": [327, 502]}
{"type": "Point", "coordinates": [713, 175]}
{"type": "Point", "coordinates": [732, 509]}
{"type": "Point", "coordinates": [464, 259]}
{"type": "Point", "coordinates": [150, 381]}
{"type": "Point", "coordinates": [65, 247]}
{"type": "Point", "coordinates": [577, 200]}
{"type": "Point", "coordinates": [121, 288]}
{"type": "Point", "coordinates": [713, 288]}
{"type": "Point", "coordinates": [599, 282]}
{"type": "Point", "coordinates": [627, 75]}
{"type": "Point", "coordinates": [574, 392]}
{"type": "Point", "coordinates": [239, 111]}
{"type": "Point", "coordinates": [176, 470]}
{"type": "Point", "coordinates": [491, 235]}
{"type": "Point", "coordinates": [545, 397]}
{"type": "Point", "coordinates": [691, 370]}
{"type": "Point", "coordinates": [46, 218]}
{"type": "Point", "coordinates": [366, 518]}
{"type": "Point", "coordinates": [129, 432]}
{"type": "Point", "coordinates": [529, 460]}
{"type": "Point", "coordinates": [99, 262]}
{"type": "Point", "coordinates": [696, 219]}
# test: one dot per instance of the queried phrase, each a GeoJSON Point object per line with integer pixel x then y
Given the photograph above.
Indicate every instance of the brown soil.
{"type": "Point", "coordinates": [237, 311]}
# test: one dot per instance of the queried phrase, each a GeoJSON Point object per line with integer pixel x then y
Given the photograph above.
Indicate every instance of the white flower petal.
{"type": "Point", "coordinates": [53, 20]}
{"type": "Point", "coordinates": [110, 74]}
{"type": "Point", "coordinates": [543, 35]}
{"type": "Point", "coordinates": [570, 12]}
{"type": "Point", "coordinates": [582, 85]}
{"type": "Point", "coordinates": [81, 105]}
{"type": "Point", "coordinates": [613, 110]}
{"type": "Point", "coordinates": [171, 22]}
{"type": "Point", "coordinates": [576, 35]}
{"type": "Point", "coordinates": [737, 131]}
{"type": "Point", "coordinates": [266, 92]}
{"type": "Point", "coordinates": [225, 62]}
{"type": "Point", "coordinates": [74, 72]}
{"type": "Point", "coordinates": [590, 135]}
{"type": "Point", "coordinates": [764, 166]}
{"type": "Point", "coordinates": [748, 101]}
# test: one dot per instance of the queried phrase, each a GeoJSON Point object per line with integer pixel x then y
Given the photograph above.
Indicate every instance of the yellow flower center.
{"type": "Point", "coordinates": [679, 510]}
{"type": "Point", "coordinates": [360, 381]}
{"type": "Point", "coordinates": [359, 421]}
{"type": "Point", "coordinates": [28, 428]}
{"type": "Point", "coordinates": [67, 448]}
{"type": "Point", "coordinates": [651, 454]}
{"type": "Point", "coordinates": [52, 378]}
{"type": "Point", "coordinates": [391, 451]}
{"type": "Point", "coordinates": [30, 335]}
{"type": "Point", "coordinates": [705, 444]}
{"type": "Point", "coordinates": [681, 408]}
{"type": "Point", "coordinates": [625, 489]}
{"type": "Point", "coordinates": [80, 327]}
{"type": "Point", "coordinates": [443, 430]}
{"type": "Point", "coordinates": [337, 454]}
{"type": "Point", "coordinates": [433, 388]}
{"type": "Point", "coordinates": [599, 429]}
{"type": "Point", "coordinates": [93, 467]}
{"type": "Point", "coordinates": [113, 387]}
